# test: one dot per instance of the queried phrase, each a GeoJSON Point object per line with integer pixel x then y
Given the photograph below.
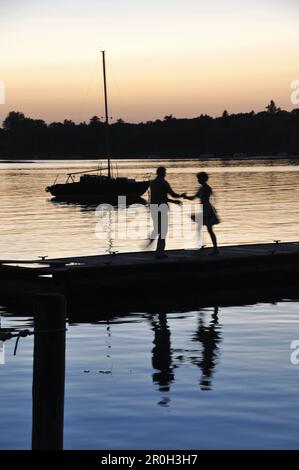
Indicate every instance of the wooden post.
{"type": "Point", "coordinates": [48, 372]}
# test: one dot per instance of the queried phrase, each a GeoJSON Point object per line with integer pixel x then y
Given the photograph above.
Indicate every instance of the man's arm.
{"type": "Point", "coordinates": [172, 193]}
{"type": "Point", "coordinates": [174, 201]}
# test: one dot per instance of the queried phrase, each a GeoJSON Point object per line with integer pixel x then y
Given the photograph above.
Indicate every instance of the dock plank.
{"type": "Point", "coordinates": [146, 258]}
{"type": "Point", "coordinates": [123, 278]}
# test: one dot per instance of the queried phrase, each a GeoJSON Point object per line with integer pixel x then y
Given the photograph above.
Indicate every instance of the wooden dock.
{"type": "Point", "coordinates": [123, 278]}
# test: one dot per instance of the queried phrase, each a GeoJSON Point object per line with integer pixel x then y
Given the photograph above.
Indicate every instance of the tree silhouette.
{"type": "Point", "coordinates": [270, 132]}
{"type": "Point", "coordinates": [13, 121]}
{"type": "Point", "coordinates": [272, 108]}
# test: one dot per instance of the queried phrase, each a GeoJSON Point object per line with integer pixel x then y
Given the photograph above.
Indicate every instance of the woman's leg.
{"type": "Point", "coordinates": [213, 237]}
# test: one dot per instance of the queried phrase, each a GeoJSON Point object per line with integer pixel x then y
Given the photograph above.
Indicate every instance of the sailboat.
{"type": "Point", "coordinates": [98, 187]}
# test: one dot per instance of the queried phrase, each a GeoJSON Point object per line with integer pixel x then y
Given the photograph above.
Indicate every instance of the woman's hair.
{"type": "Point", "coordinates": [202, 177]}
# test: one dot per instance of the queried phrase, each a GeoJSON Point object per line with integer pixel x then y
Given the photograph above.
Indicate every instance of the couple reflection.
{"type": "Point", "coordinates": [164, 362]}
{"type": "Point", "coordinates": [209, 336]}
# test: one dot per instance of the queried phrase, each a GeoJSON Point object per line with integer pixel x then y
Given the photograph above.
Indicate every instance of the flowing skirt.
{"type": "Point", "coordinates": [210, 216]}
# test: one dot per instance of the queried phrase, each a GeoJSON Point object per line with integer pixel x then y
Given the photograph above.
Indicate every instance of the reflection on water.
{"type": "Point", "coordinates": [207, 335]}
{"type": "Point", "coordinates": [162, 358]}
{"type": "Point", "coordinates": [207, 378]}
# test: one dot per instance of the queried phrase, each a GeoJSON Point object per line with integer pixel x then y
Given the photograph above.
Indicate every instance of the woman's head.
{"type": "Point", "coordinates": [202, 177]}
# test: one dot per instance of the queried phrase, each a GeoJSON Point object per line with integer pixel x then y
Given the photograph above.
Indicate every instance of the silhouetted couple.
{"type": "Point", "coordinates": [160, 190]}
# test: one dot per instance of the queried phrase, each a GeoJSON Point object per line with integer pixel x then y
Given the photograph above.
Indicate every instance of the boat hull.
{"type": "Point", "coordinates": [106, 191]}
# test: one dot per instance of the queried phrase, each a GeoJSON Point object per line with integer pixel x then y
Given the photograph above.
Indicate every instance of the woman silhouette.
{"type": "Point", "coordinates": [210, 216]}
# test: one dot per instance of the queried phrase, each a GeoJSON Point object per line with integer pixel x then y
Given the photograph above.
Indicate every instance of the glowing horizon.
{"type": "Point", "coordinates": [184, 60]}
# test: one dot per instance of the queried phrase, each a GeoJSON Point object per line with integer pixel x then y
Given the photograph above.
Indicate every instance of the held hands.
{"type": "Point", "coordinates": [189, 198]}
{"type": "Point", "coordinates": [184, 196]}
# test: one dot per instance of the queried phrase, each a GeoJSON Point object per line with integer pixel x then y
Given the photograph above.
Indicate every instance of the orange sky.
{"type": "Point", "coordinates": [184, 58]}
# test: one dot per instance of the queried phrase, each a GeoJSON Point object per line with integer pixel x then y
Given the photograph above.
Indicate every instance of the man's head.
{"type": "Point", "coordinates": [161, 172]}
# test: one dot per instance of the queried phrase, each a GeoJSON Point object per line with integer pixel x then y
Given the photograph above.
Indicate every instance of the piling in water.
{"type": "Point", "coordinates": [48, 372]}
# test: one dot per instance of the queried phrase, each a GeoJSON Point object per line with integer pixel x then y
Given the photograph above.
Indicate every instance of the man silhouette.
{"type": "Point", "coordinates": [159, 191]}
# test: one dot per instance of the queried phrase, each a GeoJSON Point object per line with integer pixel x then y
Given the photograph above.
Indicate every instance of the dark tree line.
{"type": "Point", "coordinates": [271, 132]}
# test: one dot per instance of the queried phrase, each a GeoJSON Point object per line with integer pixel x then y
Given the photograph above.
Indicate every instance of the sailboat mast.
{"type": "Point", "coordinates": [107, 140]}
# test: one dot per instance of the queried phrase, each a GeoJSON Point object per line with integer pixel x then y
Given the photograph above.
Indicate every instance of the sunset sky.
{"type": "Point", "coordinates": [180, 57]}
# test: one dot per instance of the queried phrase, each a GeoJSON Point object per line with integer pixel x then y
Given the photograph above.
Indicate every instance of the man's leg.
{"type": "Point", "coordinates": [162, 229]}
{"type": "Point", "coordinates": [154, 232]}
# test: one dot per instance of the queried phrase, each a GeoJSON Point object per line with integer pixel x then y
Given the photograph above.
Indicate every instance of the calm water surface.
{"type": "Point", "coordinates": [257, 202]}
{"type": "Point", "coordinates": [206, 378]}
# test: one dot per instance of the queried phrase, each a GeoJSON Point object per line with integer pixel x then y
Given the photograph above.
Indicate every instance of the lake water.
{"type": "Point", "coordinates": [213, 378]}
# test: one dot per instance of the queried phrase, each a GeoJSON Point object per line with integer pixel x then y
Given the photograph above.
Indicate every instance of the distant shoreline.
{"type": "Point", "coordinates": [151, 158]}
{"type": "Point", "coordinates": [273, 133]}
